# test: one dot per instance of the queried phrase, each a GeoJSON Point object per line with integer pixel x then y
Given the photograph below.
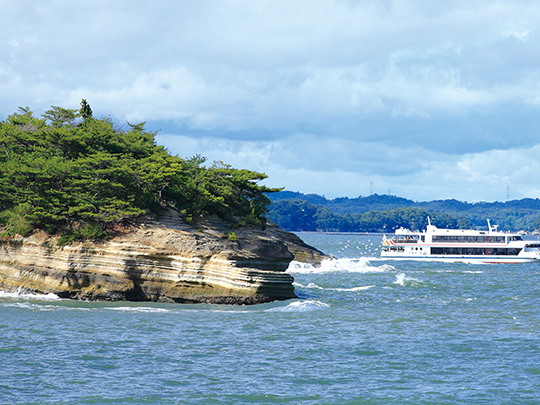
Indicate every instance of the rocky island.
{"type": "Point", "coordinates": [161, 260]}
{"type": "Point", "coordinates": [92, 212]}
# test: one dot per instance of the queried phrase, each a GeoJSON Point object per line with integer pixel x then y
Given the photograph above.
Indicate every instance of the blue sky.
{"type": "Point", "coordinates": [421, 99]}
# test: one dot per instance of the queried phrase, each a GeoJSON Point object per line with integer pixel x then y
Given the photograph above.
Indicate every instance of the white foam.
{"type": "Point", "coordinates": [360, 265]}
{"type": "Point", "coordinates": [361, 288]}
{"type": "Point", "coordinates": [138, 309]}
{"type": "Point", "coordinates": [29, 296]}
{"type": "Point", "coordinates": [403, 280]}
{"type": "Point", "coordinates": [310, 285]}
{"type": "Point", "coordinates": [300, 306]}
{"type": "Point", "coordinates": [315, 286]}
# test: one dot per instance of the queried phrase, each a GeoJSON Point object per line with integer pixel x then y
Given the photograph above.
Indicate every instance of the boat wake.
{"type": "Point", "coordinates": [360, 265]}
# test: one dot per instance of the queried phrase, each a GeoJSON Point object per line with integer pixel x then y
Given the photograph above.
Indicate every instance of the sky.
{"type": "Point", "coordinates": [421, 99]}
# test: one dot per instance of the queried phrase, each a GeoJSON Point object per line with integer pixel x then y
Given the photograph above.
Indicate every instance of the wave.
{"type": "Point", "coordinates": [360, 265]}
{"type": "Point", "coordinates": [315, 286]}
{"type": "Point", "coordinates": [300, 306]}
{"type": "Point", "coordinates": [405, 281]}
{"type": "Point", "coordinates": [137, 309]}
{"type": "Point", "coordinates": [33, 306]}
{"type": "Point", "coordinates": [29, 296]}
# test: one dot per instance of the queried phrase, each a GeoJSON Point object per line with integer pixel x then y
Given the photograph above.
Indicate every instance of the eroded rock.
{"type": "Point", "coordinates": [162, 260]}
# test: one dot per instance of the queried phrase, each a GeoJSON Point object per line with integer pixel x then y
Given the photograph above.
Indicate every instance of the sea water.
{"type": "Point", "coordinates": [364, 331]}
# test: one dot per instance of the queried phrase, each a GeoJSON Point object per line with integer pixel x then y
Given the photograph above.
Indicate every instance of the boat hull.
{"type": "Point", "coordinates": [462, 258]}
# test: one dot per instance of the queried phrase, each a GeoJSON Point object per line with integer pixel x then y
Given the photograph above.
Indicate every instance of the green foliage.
{"type": "Point", "coordinates": [86, 111]}
{"type": "Point", "coordinates": [16, 220]}
{"type": "Point", "coordinates": [299, 215]}
{"type": "Point", "coordinates": [381, 212]}
{"type": "Point", "coordinates": [232, 236]}
{"type": "Point", "coordinates": [89, 231]}
{"type": "Point", "coordinates": [79, 179]}
{"type": "Point", "coordinates": [59, 116]}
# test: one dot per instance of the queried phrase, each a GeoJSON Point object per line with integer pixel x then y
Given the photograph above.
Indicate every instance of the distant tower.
{"type": "Point", "coordinates": [507, 193]}
{"type": "Point", "coordinates": [370, 188]}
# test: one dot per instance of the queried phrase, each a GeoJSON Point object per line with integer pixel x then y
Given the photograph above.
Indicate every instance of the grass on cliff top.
{"type": "Point", "coordinates": [69, 173]}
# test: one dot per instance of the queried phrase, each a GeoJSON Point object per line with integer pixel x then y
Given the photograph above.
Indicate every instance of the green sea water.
{"type": "Point", "coordinates": [364, 331]}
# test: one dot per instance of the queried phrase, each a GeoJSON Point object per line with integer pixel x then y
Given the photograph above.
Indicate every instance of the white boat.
{"type": "Point", "coordinates": [489, 246]}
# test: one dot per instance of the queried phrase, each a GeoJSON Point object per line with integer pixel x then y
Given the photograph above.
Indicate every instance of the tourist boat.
{"type": "Point", "coordinates": [489, 246]}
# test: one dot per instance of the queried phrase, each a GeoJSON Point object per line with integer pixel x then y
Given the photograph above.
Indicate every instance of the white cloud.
{"type": "Point", "coordinates": [305, 164]}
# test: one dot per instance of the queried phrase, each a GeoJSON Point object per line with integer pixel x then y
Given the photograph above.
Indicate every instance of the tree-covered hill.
{"type": "Point", "coordinates": [73, 174]}
{"type": "Point", "coordinates": [296, 211]}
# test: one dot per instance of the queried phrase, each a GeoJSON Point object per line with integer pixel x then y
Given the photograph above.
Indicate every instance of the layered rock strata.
{"type": "Point", "coordinates": [162, 260]}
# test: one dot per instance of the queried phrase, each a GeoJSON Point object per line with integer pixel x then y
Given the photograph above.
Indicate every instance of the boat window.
{"type": "Point", "coordinates": [475, 251]}
{"type": "Point", "coordinates": [406, 238]}
{"type": "Point", "coordinates": [468, 239]}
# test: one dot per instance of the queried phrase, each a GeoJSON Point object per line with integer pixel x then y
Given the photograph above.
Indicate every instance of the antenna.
{"type": "Point", "coordinates": [370, 188]}
{"type": "Point", "coordinates": [507, 193]}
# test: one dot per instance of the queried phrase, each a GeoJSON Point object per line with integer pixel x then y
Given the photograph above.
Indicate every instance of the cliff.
{"type": "Point", "coordinates": [162, 260]}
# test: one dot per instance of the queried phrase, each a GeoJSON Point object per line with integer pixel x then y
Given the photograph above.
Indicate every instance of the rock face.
{"type": "Point", "coordinates": [302, 252]}
{"type": "Point", "coordinates": [162, 260]}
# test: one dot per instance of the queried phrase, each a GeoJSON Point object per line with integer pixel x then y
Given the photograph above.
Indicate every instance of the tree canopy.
{"type": "Point", "coordinates": [71, 173]}
{"type": "Point", "coordinates": [299, 215]}
{"type": "Point", "coordinates": [296, 211]}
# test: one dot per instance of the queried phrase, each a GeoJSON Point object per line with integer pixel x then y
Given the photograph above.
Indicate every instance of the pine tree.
{"type": "Point", "coordinates": [86, 111]}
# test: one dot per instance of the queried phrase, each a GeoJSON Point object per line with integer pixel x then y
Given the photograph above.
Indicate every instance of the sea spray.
{"type": "Point", "coordinates": [28, 296]}
{"type": "Point", "coordinates": [358, 265]}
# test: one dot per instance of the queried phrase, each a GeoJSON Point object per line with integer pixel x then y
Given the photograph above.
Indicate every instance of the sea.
{"type": "Point", "coordinates": [363, 331]}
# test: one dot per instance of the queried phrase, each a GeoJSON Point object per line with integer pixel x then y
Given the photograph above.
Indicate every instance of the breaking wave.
{"type": "Point", "coordinates": [405, 281]}
{"type": "Point", "coordinates": [29, 296]}
{"type": "Point", "coordinates": [360, 265]}
{"type": "Point", "coordinates": [300, 306]}
{"type": "Point", "coordinates": [315, 286]}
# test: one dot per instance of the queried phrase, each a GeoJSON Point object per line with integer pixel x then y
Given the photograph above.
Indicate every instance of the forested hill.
{"type": "Point", "coordinates": [75, 175]}
{"type": "Point", "coordinates": [297, 211]}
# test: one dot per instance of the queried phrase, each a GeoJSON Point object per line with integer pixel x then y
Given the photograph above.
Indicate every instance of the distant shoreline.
{"type": "Point", "coordinates": [529, 234]}
{"type": "Point", "coordinates": [341, 233]}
